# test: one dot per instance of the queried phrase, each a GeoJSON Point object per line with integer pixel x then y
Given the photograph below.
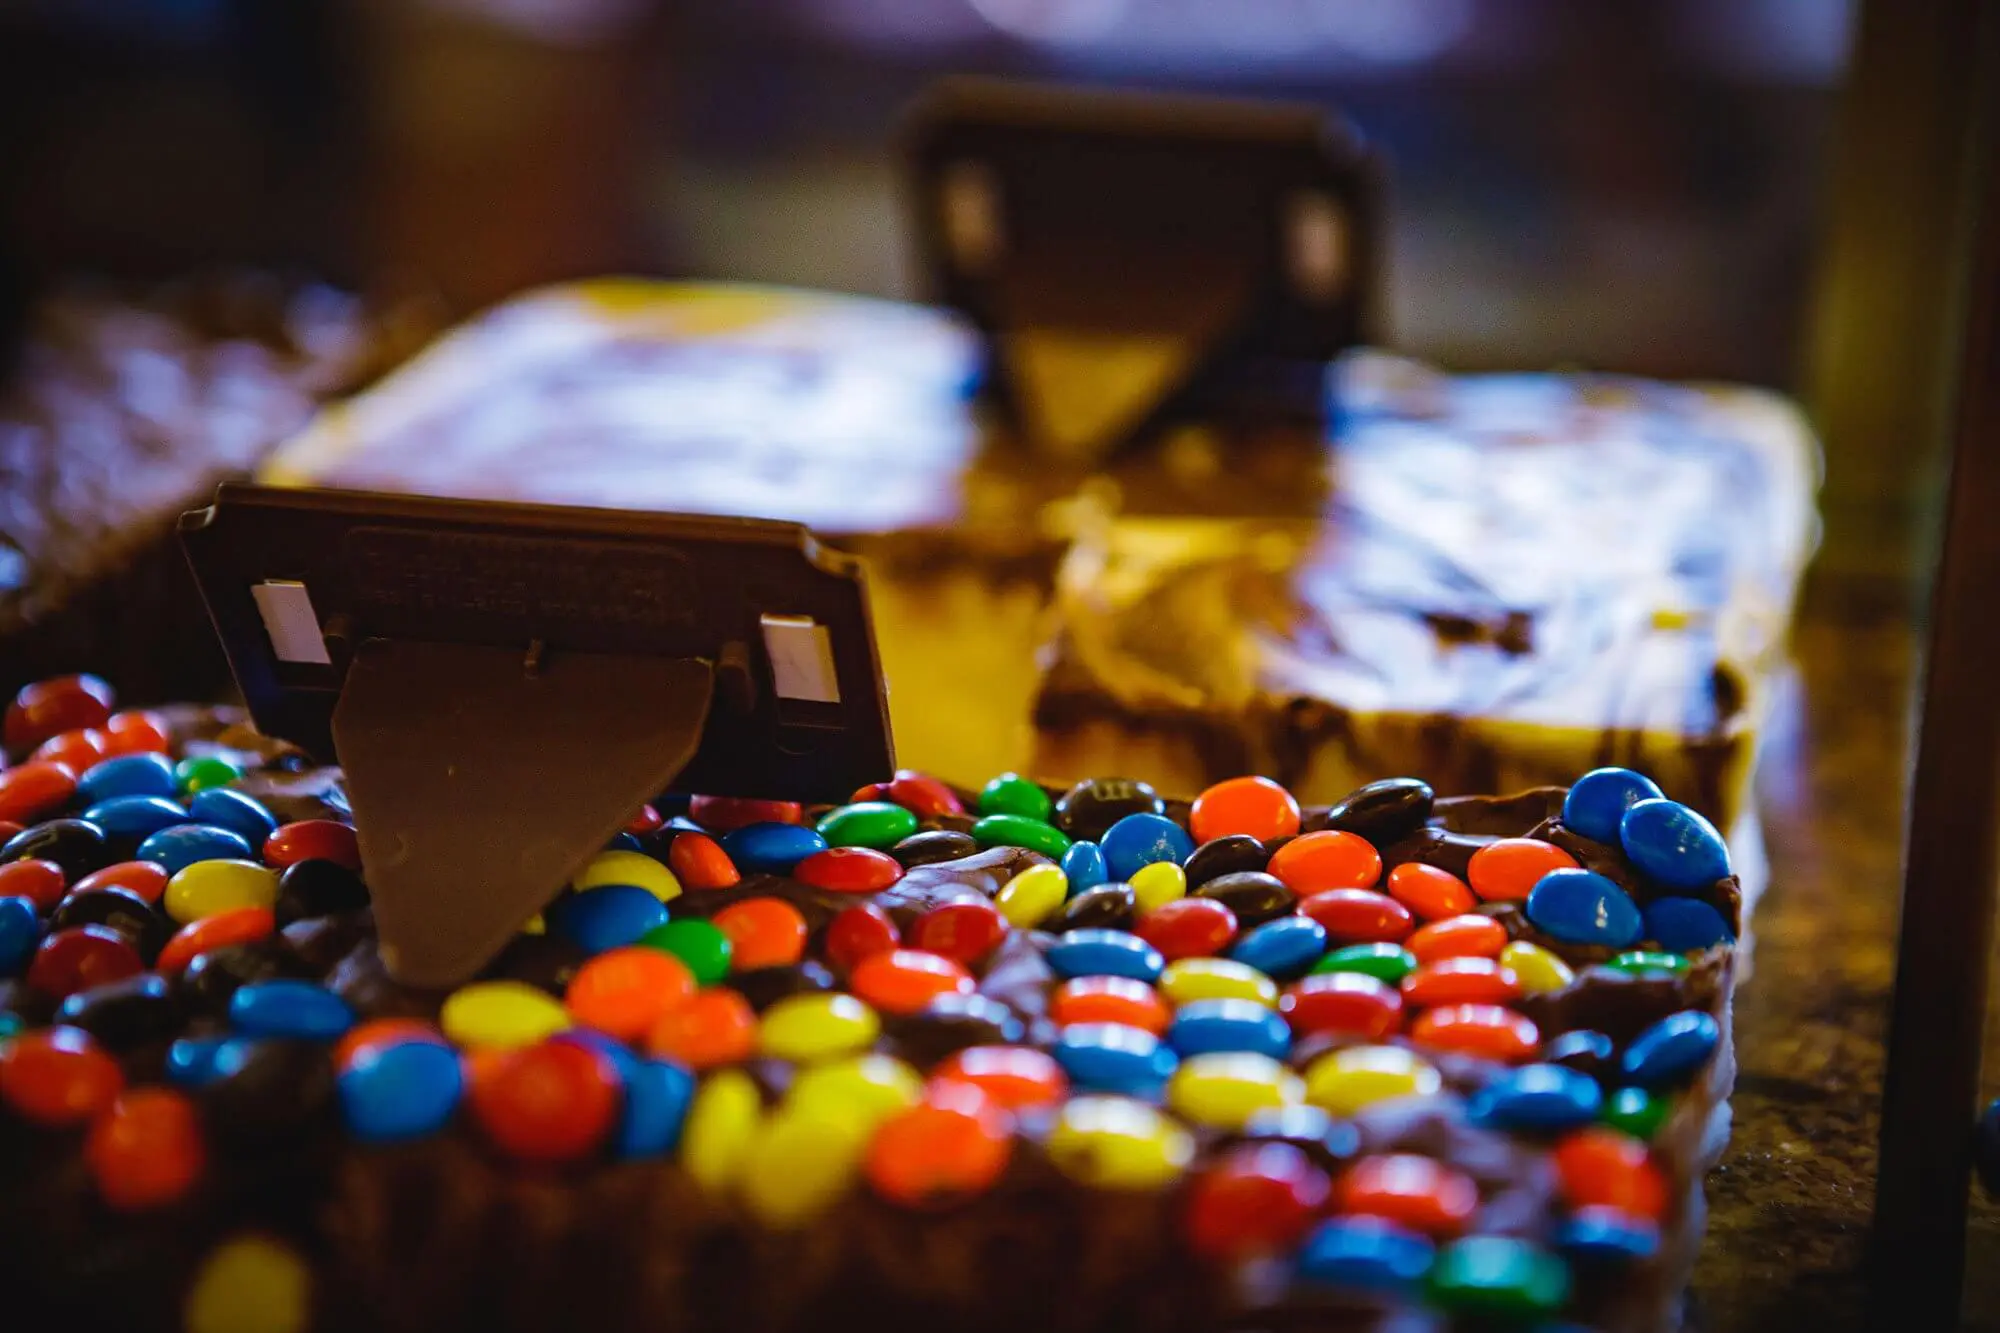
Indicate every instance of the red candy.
{"type": "Point", "coordinates": [57, 1077]}
{"type": "Point", "coordinates": [81, 957]}
{"type": "Point", "coordinates": [902, 981]}
{"type": "Point", "coordinates": [858, 932]}
{"type": "Point", "coordinates": [238, 925]}
{"type": "Point", "coordinates": [699, 862]}
{"type": "Point", "coordinates": [922, 795]}
{"type": "Point", "coordinates": [1358, 916]}
{"type": "Point", "coordinates": [40, 882]}
{"type": "Point", "coordinates": [1508, 870]}
{"type": "Point", "coordinates": [1256, 806]}
{"type": "Point", "coordinates": [1349, 1003]}
{"type": "Point", "coordinates": [35, 789]}
{"type": "Point", "coordinates": [1256, 1199]}
{"type": "Point", "coordinates": [48, 707]}
{"type": "Point", "coordinates": [551, 1102]}
{"type": "Point", "coordinates": [1469, 980]}
{"type": "Point", "coordinates": [146, 1151]}
{"type": "Point", "coordinates": [646, 821]}
{"type": "Point", "coordinates": [1602, 1168]}
{"type": "Point", "coordinates": [964, 931]}
{"type": "Point", "coordinates": [1016, 1078]}
{"type": "Point", "coordinates": [763, 932]}
{"type": "Point", "coordinates": [1188, 928]}
{"type": "Point", "coordinates": [1485, 1030]}
{"type": "Point", "coordinates": [869, 791]}
{"type": "Point", "coordinates": [1411, 1191]}
{"type": "Point", "coordinates": [313, 840]}
{"type": "Point", "coordinates": [75, 750]}
{"type": "Point", "coordinates": [1430, 892]}
{"type": "Point", "coordinates": [1329, 859]}
{"type": "Point", "coordinates": [626, 992]}
{"type": "Point", "coordinates": [849, 870]}
{"type": "Point", "coordinates": [726, 814]}
{"type": "Point", "coordinates": [950, 1146]}
{"type": "Point", "coordinates": [1458, 937]}
{"type": "Point", "coordinates": [1109, 1000]}
{"type": "Point", "coordinates": [379, 1032]}
{"type": "Point", "coordinates": [147, 879]}
{"type": "Point", "coordinates": [716, 1027]}
{"type": "Point", "coordinates": [136, 732]}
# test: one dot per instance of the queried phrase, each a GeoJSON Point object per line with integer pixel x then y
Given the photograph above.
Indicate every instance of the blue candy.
{"type": "Point", "coordinates": [1284, 948]}
{"type": "Point", "coordinates": [1683, 925]}
{"type": "Point", "coordinates": [182, 845]}
{"type": "Point", "coordinates": [770, 848]}
{"type": "Point", "coordinates": [1139, 840]}
{"type": "Point", "coordinates": [1301, 1123]}
{"type": "Point", "coordinates": [399, 1091]}
{"type": "Point", "coordinates": [289, 1008]}
{"type": "Point", "coordinates": [1605, 1237]}
{"type": "Point", "coordinates": [657, 1096]}
{"type": "Point", "coordinates": [624, 842]}
{"type": "Point", "coordinates": [1204, 1026]}
{"type": "Point", "coordinates": [1583, 907]}
{"type": "Point", "coordinates": [135, 816]}
{"type": "Point", "coordinates": [195, 1061]}
{"type": "Point", "coordinates": [1364, 1253]}
{"type": "Point", "coordinates": [1083, 865]}
{"type": "Point", "coordinates": [1673, 845]}
{"type": "Point", "coordinates": [1600, 798]}
{"type": "Point", "coordinates": [227, 808]}
{"type": "Point", "coordinates": [1112, 1057]}
{"type": "Point", "coordinates": [127, 775]}
{"type": "Point", "coordinates": [1104, 953]}
{"type": "Point", "coordinates": [20, 932]}
{"type": "Point", "coordinates": [607, 917]}
{"type": "Point", "coordinates": [1671, 1049]}
{"type": "Point", "coordinates": [1538, 1098]}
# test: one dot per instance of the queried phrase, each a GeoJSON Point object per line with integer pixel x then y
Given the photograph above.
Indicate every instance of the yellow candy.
{"type": "Point", "coordinates": [1224, 1089]}
{"type": "Point", "coordinates": [801, 1162]}
{"type": "Point", "coordinates": [864, 1089]}
{"type": "Point", "coordinates": [817, 1027]}
{"type": "Point", "coordinates": [249, 1284]}
{"type": "Point", "coordinates": [1216, 979]}
{"type": "Point", "coordinates": [1117, 1143]}
{"type": "Point", "coordinates": [207, 887]}
{"type": "Point", "coordinates": [629, 868]}
{"type": "Point", "coordinates": [721, 1124]}
{"type": "Point", "coordinates": [501, 1015]}
{"type": "Point", "coordinates": [535, 925]}
{"type": "Point", "coordinates": [1345, 1081]}
{"type": "Point", "coordinates": [1538, 969]}
{"type": "Point", "coordinates": [1030, 897]}
{"type": "Point", "coordinates": [1160, 882]}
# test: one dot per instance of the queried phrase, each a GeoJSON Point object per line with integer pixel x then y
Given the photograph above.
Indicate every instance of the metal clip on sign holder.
{"type": "Point", "coordinates": [505, 684]}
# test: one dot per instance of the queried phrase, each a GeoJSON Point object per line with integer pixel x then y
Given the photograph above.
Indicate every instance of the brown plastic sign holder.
{"type": "Point", "coordinates": [505, 684]}
{"type": "Point", "coordinates": [1133, 260]}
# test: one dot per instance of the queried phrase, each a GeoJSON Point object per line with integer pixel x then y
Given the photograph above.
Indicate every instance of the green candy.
{"type": "Point", "coordinates": [1499, 1279]}
{"type": "Point", "coordinates": [1388, 963]}
{"type": "Point", "coordinates": [1020, 831]}
{"type": "Point", "coordinates": [1012, 794]}
{"type": "Point", "coordinates": [876, 824]}
{"type": "Point", "coordinates": [698, 943]}
{"type": "Point", "coordinates": [1637, 1112]}
{"type": "Point", "coordinates": [1640, 962]}
{"type": "Point", "coordinates": [201, 772]}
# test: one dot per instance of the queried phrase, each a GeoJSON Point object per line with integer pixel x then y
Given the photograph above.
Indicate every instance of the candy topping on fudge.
{"type": "Point", "coordinates": [1452, 1054]}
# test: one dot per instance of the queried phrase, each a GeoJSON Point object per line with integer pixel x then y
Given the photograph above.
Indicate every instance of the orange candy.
{"type": "Point", "coordinates": [239, 925]}
{"type": "Point", "coordinates": [58, 1076]}
{"type": "Point", "coordinates": [147, 879]}
{"type": "Point", "coordinates": [763, 932]}
{"type": "Point", "coordinates": [551, 1102]}
{"type": "Point", "coordinates": [1411, 1191]}
{"type": "Point", "coordinates": [1109, 1000]}
{"type": "Point", "coordinates": [1256, 806]}
{"type": "Point", "coordinates": [383, 1032]}
{"type": "Point", "coordinates": [1358, 916]}
{"type": "Point", "coordinates": [902, 981]}
{"type": "Point", "coordinates": [716, 1027]}
{"type": "Point", "coordinates": [1329, 859]}
{"type": "Point", "coordinates": [146, 1150]}
{"type": "Point", "coordinates": [1600, 1167]}
{"type": "Point", "coordinates": [1458, 937]}
{"type": "Point", "coordinates": [950, 1146]}
{"type": "Point", "coordinates": [1486, 1030]}
{"type": "Point", "coordinates": [699, 862]}
{"type": "Point", "coordinates": [75, 750]}
{"type": "Point", "coordinates": [36, 788]}
{"type": "Point", "coordinates": [1509, 869]}
{"type": "Point", "coordinates": [625, 992]}
{"type": "Point", "coordinates": [1430, 892]}
{"type": "Point", "coordinates": [136, 731]}
{"type": "Point", "coordinates": [1469, 980]}
{"type": "Point", "coordinates": [40, 882]}
{"type": "Point", "coordinates": [1015, 1078]}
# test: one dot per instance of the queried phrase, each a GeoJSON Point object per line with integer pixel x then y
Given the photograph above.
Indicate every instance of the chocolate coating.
{"type": "Point", "coordinates": [1235, 853]}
